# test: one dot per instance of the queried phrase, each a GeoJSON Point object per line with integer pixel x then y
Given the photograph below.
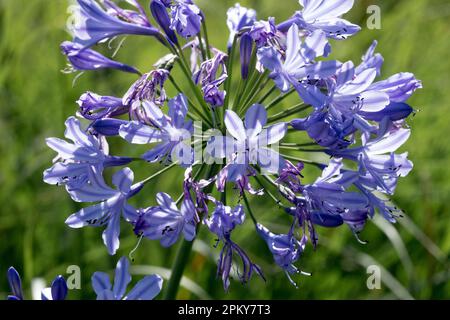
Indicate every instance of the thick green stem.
{"type": "Point", "coordinates": [181, 260]}
{"type": "Point", "coordinates": [289, 112]}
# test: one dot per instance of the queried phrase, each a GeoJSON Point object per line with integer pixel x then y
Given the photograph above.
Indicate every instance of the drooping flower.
{"type": "Point", "coordinates": [93, 106]}
{"type": "Point", "coordinates": [296, 67]}
{"type": "Point", "coordinates": [186, 18]}
{"type": "Point", "coordinates": [138, 17]}
{"type": "Point", "coordinates": [323, 15]}
{"type": "Point", "coordinates": [112, 204]}
{"type": "Point", "coordinates": [149, 87]}
{"type": "Point", "coordinates": [91, 60]}
{"type": "Point", "coordinates": [76, 159]}
{"type": "Point", "coordinates": [146, 289]}
{"type": "Point", "coordinates": [222, 222]}
{"type": "Point", "coordinates": [263, 31]}
{"type": "Point", "coordinates": [211, 75]}
{"type": "Point", "coordinates": [285, 248]}
{"type": "Point", "coordinates": [238, 18]}
{"type": "Point", "coordinates": [159, 12]}
{"type": "Point", "coordinates": [172, 132]}
{"type": "Point", "coordinates": [92, 24]}
{"type": "Point", "coordinates": [166, 222]}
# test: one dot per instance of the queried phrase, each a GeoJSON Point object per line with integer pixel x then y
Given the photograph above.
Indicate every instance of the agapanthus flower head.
{"type": "Point", "coordinates": [356, 121]}
{"type": "Point", "coordinates": [145, 289]}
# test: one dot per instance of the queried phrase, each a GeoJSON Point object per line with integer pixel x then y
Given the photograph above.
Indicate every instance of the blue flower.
{"type": "Point", "coordinates": [186, 19]}
{"type": "Point", "coordinates": [92, 24]}
{"type": "Point", "coordinates": [78, 157]}
{"type": "Point", "coordinates": [263, 31]}
{"type": "Point", "coordinates": [249, 143]}
{"type": "Point", "coordinates": [299, 62]}
{"type": "Point", "coordinates": [238, 18]}
{"type": "Point", "coordinates": [324, 15]}
{"type": "Point", "coordinates": [93, 106]}
{"type": "Point", "coordinates": [149, 87]}
{"type": "Point", "coordinates": [15, 283]}
{"type": "Point", "coordinates": [112, 204]}
{"type": "Point", "coordinates": [146, 289]}
{"type": "Point", "coordinates": [222, 222]}
{"type": "Point", "coordinates": [166, 222]}
{"type": "Point", "coordinates": [91, 60]}
{"type": "Point", "coordinates": [171, 132]}
{"type": "Point", "coordinates": [286, 249]}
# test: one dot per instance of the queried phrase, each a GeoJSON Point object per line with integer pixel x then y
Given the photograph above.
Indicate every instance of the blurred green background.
{"type": "Point", "coordinates": [36, 98]}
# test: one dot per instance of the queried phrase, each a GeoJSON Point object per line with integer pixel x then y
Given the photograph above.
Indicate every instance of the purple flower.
{"type": "Point", "coordinates": [286, 249]}
{"type": "Point", "coordinates": [92, 24]}
{"type": "Point", "coordinates": [166, 222]}
{"type": "Point", "coordinates": [240, 175]}
{"type": "Point", "coordinates": [371, 60]}
{"type": "Point", "coordinates": [149, 87]}
{"type": "Point", "coordinates": [93, 106]}
{"type": "Point", "coordinates": [186, 19]}
{"type": "Point", "coordinates": [398, 87]}
{"type": "Point", "coordinates": [238, 18]}
{"type": "Point", "coordinates": [78, 157]}
{"type": "Point", "coordinates": [222, 222]}
{"type": "Point", "coordinates": [324, 15]}
{"type": "Point", "coordinates": [172, 132]}
{"type": "Point", "coordinates": [299, 62]}
{"type": "Point", "coordinates": [211, 75]}
{"type": "Point", "coordinates": [262, 31]}
{"type": "Point", "coordinates": [145, 289]}
{"type": "Point", "coordinates": [290, 175]}
{"type": "Point", "coordinates": [91, 60]}
{"type": "Point", "coordinates": [112, 205]}
{"type": "Point", "coordinates": [249, 142]}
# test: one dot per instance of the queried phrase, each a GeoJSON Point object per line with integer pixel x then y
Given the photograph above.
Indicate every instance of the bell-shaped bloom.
{"type": "Point", "coordinates": [89, 59]}
{"type": "Point", "coordinates": [222, 222]}
{"type": "Point", "coordinates": [394, 112]}
{"type": "Point", "coordinates": [238, 18]}
{"type": "Point", "coordinates": [159, 12]}
{"type": "Point", "coordinates": [166, 222]}
{"type": "Point", "coordinates": [250, 143]}
{"type": "Point", "coordinates": [58, 290]}
{"type": "Point", "coordinates": [398, 87]}
{"type": "Point", "coordinates": [285, 248]}
{"type": "Point", "coordinates": [76, 159]}
{"type": "Point", "coordinates": [299, 63]}
{"type": "Point", "coordinates": [172, 132]}
{"type": "Point", "coordinates": [91, 24]}
{"type": "Point", "coordinates": [149, 87]}
{"type": "Point", "coordinates": [187, 18]}
{"type": "Point", "coordinates": [93, 106]}
{"type": "Point", "coordinates": [324, 15]}
{"type": "Point", "coordinates": [112, 205]}
{"type": "Point", "coordinates": [145, 289]}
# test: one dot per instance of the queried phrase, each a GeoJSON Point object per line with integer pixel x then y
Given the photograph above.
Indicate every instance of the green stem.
{"type": "Point", "coordinates": [268, 94]}
{"type": "Point", "coordinates": [230, 73]}
{"type": "Point", "coordinates": [249, 209]}
{"type": "Point", "coordinates": [286, 113]}
{"type": "Point", "coordinates": [205, 33]}
{"type": "Point", "coordinates": [181, 259]}
{"type": "Point", "coordinates": [276, 101]}
{"type": "Point", "coordinates": [314, 163]}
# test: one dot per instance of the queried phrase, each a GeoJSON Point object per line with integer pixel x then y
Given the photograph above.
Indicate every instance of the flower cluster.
{"type": "Point", "coordinates": [351, 116]}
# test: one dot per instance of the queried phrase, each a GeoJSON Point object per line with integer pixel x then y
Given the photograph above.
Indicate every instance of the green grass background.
{"type": "Point", "coordinates": [36, 98]}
